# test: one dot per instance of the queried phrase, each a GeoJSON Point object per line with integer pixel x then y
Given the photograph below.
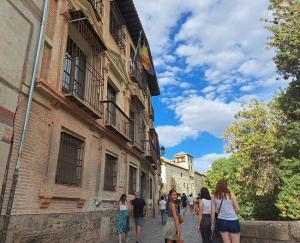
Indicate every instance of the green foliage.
{"type": "Point", "coordinates": [253, 139]}
{"type": "Point", "coordinates": [264, 169]}
{"type": "Point", "coordinates": [285, 27]}
{"type": "Point", "coordinates": [288, 200]}
{"type": "Point", "coordinates": [265, 182]}
{"type": "Point", "coordinates": [229, 169]}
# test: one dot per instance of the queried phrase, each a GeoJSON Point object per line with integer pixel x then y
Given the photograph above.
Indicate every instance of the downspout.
{"type": "Point", "coordinates": [25, 124]}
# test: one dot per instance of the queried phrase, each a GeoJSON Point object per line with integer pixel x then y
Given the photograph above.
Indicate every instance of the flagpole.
{"type": "Point", "coordinates": [136, 49]}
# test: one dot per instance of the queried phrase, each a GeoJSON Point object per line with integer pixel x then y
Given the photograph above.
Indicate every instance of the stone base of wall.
{"type": "Point", "coordinates": [270, 232]}
{"type": "Point", "coordinates": [98, 226]}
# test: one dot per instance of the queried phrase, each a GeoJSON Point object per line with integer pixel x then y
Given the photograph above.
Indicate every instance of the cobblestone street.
{"type": "Point", "coordinates": [152, 232]}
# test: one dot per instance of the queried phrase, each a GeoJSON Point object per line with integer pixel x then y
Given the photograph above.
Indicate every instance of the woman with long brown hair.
{"type": "Point", "coordinates": [226, 207]}
{"type": "Point", "coordinates": [172, 230]}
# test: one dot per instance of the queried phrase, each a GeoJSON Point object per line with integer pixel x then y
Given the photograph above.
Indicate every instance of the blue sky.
{"type": "Point", "coordinates": [210, 58]}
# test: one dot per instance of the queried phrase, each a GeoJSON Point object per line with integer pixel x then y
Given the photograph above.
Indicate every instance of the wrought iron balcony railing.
{"type": "Point", "coordinates": [83, 84]}
{"type": "Point", "coordinates": [116, 119]}
{"type": "Point", "coordinates": [136, 74]}
{"type": "Point", "coordinates": [151, 152]}
{"type": "Point", "coordinates": [137, 134]}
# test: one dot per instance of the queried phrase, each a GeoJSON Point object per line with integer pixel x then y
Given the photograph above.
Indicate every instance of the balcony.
{"type": "Point", "coordinates": [83, 86]}
{"type": "Point", "coordinates": [151, 151]}
{"type": "Point", "coordinates": [98, 6]}
{"type": "Point", "coordinates": [136, 74]}
{"type": "Point", "coordinates": [116, 119]}
{"type": "Point", "coordinates": [117, 26]}
{"type": "Point", "coordinates": [137, 135]}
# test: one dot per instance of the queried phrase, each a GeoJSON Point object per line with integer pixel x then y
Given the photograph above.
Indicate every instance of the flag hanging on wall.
{"type": "Point", "coordinates": [146, 61]}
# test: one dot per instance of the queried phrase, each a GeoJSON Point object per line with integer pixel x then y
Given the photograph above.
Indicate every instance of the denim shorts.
{"type": "Point", "coordinates": [139, 221]}
{"type": "Point", "coordinates": [231, 226]}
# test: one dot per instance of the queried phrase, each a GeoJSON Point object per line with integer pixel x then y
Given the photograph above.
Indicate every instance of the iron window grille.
{"type": "Point", "coordinates": [98, 5]}
{"type": "Point", "coordinates": [110, 178]}
{"type": "Point", "coordinates": [117, 26]}
{"type": "Point", "coordinates": [70, 159]}
{"type": "Point", "coordinates": [83, 74]}
{"type": "Point", "coordinates": [151, 188]}
{"type": "Point", "coordinates": [132, 180]}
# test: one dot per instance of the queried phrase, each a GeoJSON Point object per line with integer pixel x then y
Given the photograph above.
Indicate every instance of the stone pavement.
{"type": "Point", "coordinates": [152, 232]}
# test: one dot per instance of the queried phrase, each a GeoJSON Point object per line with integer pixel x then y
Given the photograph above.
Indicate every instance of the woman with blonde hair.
{"type": "Point", "coordinates": [224, 211]}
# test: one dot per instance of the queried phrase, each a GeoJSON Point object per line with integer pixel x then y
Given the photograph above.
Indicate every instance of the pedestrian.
{"type": "Point", "coordinates": [184, 203]}
{"type": "Point", "coordinates": [191, 203]}
{"type": "Point", "coordinates": [162, 206]}
{"type": "Point", "coordinates": [204, 218]}
{"type": "Point", "coordinates": [139, 211]}
{"type": "Point", "coordinates": [172, 230]}
{"type": "Point", "coordinates": [225, 204]}
{"type": "Point", "coordinates": [178, 202]}
{"type": "Point", "coordinates": [124, 218]}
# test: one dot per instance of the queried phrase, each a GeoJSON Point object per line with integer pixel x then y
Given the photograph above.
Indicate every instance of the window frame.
{"type": "Point", "coordinates": [132, 184]}
{"type": "Point", "coordinates": [150, 188]}
{"type": "Point", "coordinates": [111, 184]}
{"type": "Point", "coordinates": [60, 176]}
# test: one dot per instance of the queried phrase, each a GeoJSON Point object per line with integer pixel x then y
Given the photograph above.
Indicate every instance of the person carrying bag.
{"type": "Point", "coordinates": [226, 220]}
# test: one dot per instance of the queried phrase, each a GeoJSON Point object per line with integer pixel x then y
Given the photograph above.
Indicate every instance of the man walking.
{"type": "Point", "coordinates": [138, 212]}
{"type": "Point", "coordinates": [163, 206]}
{"type": "Point", "coordinates": [191, 203]}
{"type": "Point", "coordinates": [184, 203]}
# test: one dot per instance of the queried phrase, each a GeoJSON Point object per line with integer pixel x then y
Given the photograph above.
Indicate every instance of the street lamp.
{"type": "Point", "coordinates": [162, 150]}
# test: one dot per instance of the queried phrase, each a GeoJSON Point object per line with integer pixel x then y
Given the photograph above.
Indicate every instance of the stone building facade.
{"type": "Point", "coordinates": [90, 136]}
{"type": "Point", "coordinates": [199, 181]}
{"type": "Point", "coordinates": [181, 175]}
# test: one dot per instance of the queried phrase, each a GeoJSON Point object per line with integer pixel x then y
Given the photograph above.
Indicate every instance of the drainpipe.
{"type": "Point", "coordinates": [25, 124]}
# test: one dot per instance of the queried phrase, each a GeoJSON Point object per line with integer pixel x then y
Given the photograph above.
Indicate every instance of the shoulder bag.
{"type": "Point", "coordinates": [217, 213]}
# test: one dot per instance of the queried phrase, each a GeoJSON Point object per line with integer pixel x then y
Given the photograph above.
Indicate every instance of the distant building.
{"type": "Point", "coordinates": [180, 175]}
{"type": "Point", "coordinates": [199, 181]}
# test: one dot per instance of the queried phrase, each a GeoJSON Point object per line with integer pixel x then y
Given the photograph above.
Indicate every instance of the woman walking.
{"type": "Point", "coordinates": [123, 221]}
{"type": "Point", "coordinates": [204, 217]}
{"type": "Point", "coordinates": [172, 230]}
{"type": "Point", "coordinates": [226, 206]}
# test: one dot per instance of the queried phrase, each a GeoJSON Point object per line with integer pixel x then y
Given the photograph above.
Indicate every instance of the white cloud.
{"type": "Point", "coordinates": [167, 80]}
{"type": "Point", "coordinates": [247, 88]}
{"type": "Point", "coordinates": [208, 89]}
{"type": "Point", "coordinates": [226, 40]}
{"type": "Point", "coordinates": [204, 162]}
{"type": "Point", "coordinates": [196, 114]}
{"type": "Point", "coordinates": [170, 136]}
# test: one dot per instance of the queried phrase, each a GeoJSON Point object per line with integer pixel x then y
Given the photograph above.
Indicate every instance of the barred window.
{"type": "Point", "coordinates": [98, 4]}
{"type": "Point", "coordinates": [117, 26]}
{"type": "Point", "coordinates": [70, 158]}
{"type": "Point", "coordinates": [132, 180]}
{"type": "Point", "coordinates": [151, 188]}
{"type": "Point", "coordinates": [74, 69]}
{"type": "Point", "coordinates": [110, 177]}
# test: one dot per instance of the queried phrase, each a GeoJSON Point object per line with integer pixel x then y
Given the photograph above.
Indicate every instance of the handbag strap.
{"type": "Point", "coordinates": [220, 206]}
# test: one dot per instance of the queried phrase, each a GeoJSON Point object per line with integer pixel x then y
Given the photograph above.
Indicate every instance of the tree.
{"type": "Point", "coordinates": [288, 200]}
{"type": "Point", "coordinates": [285, 26]}
{"type": "Point", "coordinates": [253, 139]}
{"type": "Point", "coordinates": [230, 170]}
